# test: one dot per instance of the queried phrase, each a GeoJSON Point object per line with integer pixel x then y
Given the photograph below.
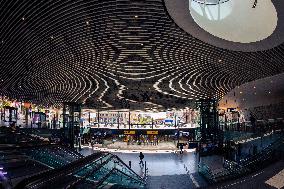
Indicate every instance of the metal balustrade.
{"type": "Point", "coordinates": [235, 169]}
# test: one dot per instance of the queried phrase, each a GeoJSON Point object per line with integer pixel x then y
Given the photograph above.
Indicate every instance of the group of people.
{"type": "Point", "coordinates": [144, 141]}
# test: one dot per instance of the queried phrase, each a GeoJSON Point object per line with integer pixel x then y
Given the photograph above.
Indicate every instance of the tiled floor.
{"type": "Point", "coordinates": [277, 180]}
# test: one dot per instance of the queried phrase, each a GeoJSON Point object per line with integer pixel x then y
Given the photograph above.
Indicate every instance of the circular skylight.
{"type": "Point", "coordinates": [234, 20]}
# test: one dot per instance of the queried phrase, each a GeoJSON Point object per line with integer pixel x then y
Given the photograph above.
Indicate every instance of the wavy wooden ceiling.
{"type": "Point", "coordinates": [115, 54]}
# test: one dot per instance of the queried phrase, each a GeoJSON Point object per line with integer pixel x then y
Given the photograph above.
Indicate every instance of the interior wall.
{"type": "Point", "coordinates": [264, 92]}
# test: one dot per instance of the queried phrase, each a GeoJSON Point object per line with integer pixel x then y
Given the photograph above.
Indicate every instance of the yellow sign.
{"type": "Point", "coordinates": [152, 132]}
{"type": "Point", "coordinates": [129, 132]}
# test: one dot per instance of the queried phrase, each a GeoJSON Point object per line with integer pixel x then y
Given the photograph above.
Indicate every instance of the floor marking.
{"type": "Point", "coordinates": [276, 181]}
{"type": "Point", "coordinates": [194, 181]}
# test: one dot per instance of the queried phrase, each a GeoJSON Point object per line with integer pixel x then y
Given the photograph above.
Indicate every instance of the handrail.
{"type": "Point", "coordinates": [128, 167]}
{"type": "Point", "coordinates": [89, 173]}
{"type": "Point", "coordinates": [60, 171]}
{"type": "Point", "coordinates": [17, 146]}
{"type": "Point", "coordinates": [243, 166]}
{"type": "Point", "coordinates": [102, 180]}
{"type": "Point", "coordinates": [142, 182]}
{"type": "Point", "coordinates": [36, 147]}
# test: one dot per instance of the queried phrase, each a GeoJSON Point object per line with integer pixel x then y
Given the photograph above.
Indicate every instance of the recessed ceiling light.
{"type": "Point", "coordinates": [23, 18]}
{"type": "Point", "coordinates": [220, 60]}
{"type": "Point", "coordinates": [87, 22]}
{"type": "Point", "coordinates": [51, 37]}
{"type": "Point", "coordinates": [136, 16]}
{"type": "Point", "coordinates": [241, 92]}
{"type": "Point", "coordinates": [254, 87]}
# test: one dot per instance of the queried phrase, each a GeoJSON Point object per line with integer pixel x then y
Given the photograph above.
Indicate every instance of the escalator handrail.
{"type": "Point", "coordinates": [140, 181]}
{"type": "Point", "coordinates": [102, 180]}
{"type": "Point", "coordinates": [16, 148]}
{"type": "Point", "coordinates": [90, 172]}
{"type": "Point", "coordinates": [118, 158]}
{"type": "Point", "coordinates": [59, 171]}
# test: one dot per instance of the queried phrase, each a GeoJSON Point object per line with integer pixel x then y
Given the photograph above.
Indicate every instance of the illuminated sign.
{"type": "Point", "coordinates": [152, 132]}
{"type": "Point", "coordinates": [129, 132]}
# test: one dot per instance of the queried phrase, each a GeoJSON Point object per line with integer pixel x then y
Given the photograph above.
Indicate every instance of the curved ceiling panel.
{"type": "Point", "coordinates": [115, 54]}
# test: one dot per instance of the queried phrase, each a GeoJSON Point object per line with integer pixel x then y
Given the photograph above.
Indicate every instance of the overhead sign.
{"type": "Point", "coordinates": [129, 132]}
{"type": "Point", "coordinates": [152, 132]}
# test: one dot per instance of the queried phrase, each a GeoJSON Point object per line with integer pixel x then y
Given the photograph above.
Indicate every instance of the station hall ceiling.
{"type": "Point", "coordinates": [116, 54]}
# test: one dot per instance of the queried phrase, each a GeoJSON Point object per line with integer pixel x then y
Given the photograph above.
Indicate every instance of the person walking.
{"type": "Point", "coordinates": [181, 148]}
{"type": "Point", "coordinates": [141, 157]}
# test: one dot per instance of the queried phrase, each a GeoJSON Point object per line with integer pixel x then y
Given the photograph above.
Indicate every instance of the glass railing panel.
{"type": "Point", "coordinates": [95, 170]}
{"type": "Point", "coordinates": [120, 179]}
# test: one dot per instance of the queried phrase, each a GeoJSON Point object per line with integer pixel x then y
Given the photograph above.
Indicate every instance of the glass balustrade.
{"type": "Point", "coordinates": [234, 169]}
{"type": "Point", "coordinates": [106, 169]}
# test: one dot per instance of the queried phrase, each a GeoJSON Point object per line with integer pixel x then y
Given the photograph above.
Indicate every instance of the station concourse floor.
{"type": "Point", "coordinates": [166, 170]}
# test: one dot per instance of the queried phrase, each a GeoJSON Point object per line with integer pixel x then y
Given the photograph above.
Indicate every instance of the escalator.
{"type": "Point", "coordinates": [99, 170]}
{"type": "Point", "coordinates": [55, 166]}
{"type": "Point", "coordinates": [54, 156]}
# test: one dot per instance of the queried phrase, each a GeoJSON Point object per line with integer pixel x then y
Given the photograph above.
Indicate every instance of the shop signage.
{"type": "Point", "coordinates": [152, 132]}
{"type": "Point", "coordinates": [129, 132]}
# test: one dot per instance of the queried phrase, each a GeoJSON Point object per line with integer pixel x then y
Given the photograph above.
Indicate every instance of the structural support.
{"type": "Point", "coordinates": [209, 121]}
{"type": "Point", "coordinates": [73, 126]}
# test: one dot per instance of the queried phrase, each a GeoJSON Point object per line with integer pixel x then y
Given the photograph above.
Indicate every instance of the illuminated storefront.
{"type": "Point", "coordinates": [186, 118]}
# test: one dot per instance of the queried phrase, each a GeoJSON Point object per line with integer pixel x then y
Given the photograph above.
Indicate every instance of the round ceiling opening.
{"type": "Point", "coordinates": [235, 20]}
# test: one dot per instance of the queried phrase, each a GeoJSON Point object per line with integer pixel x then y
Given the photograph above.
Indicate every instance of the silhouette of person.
{"type": "Point", "coordinates": [141, 157]}
{"type": "Point", "coordinates": [252, 121]}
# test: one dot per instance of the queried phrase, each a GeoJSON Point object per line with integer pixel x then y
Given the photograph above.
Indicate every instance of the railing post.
{"type": "Point", "coordinates": [129, 164]}
{"type": "Point", "coordinates": [145, 168]}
